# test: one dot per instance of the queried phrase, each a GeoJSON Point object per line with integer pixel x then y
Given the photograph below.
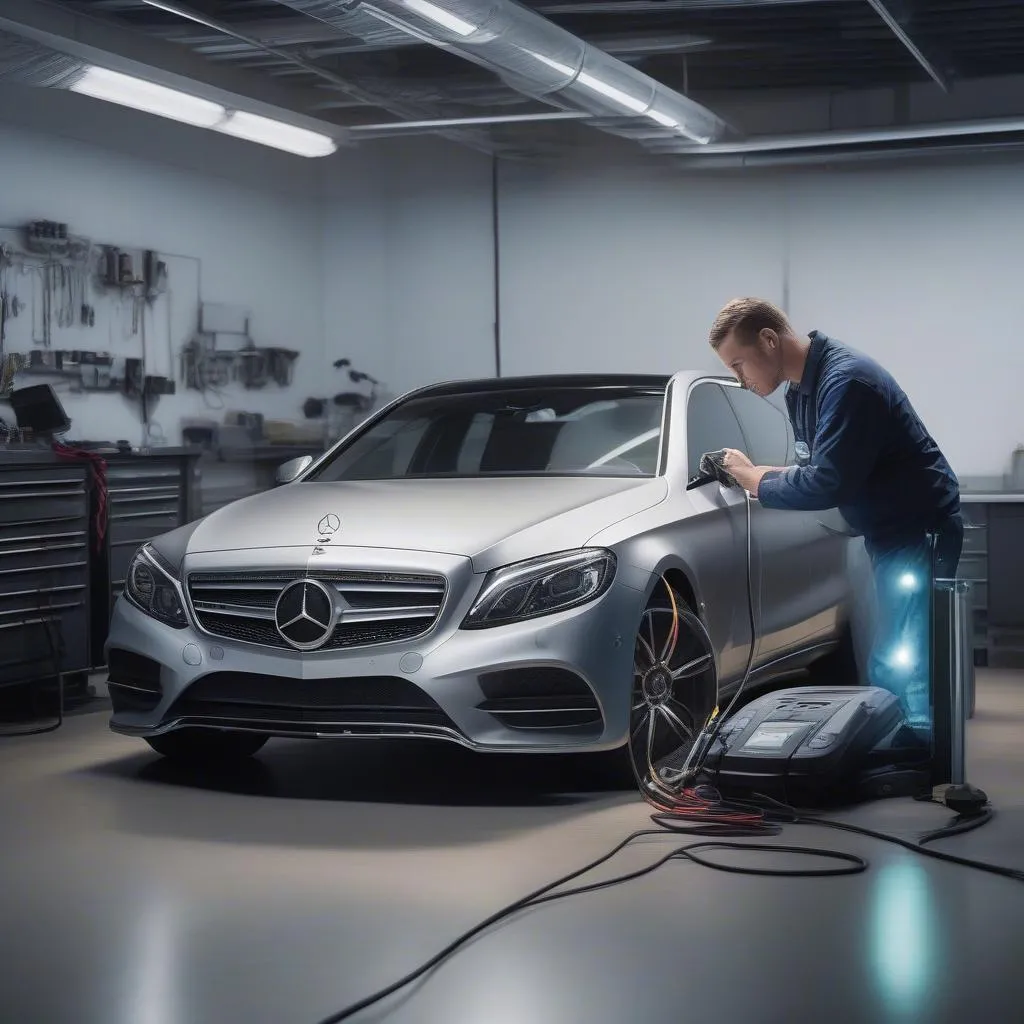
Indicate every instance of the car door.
{"type": "Point", "coordinates": [802, 555]}
{"type": "Point", "coordinates": [716, 538]}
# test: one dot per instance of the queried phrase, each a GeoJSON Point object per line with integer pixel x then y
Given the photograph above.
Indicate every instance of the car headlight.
{"type": "Point", "coordinates": [153, 589]}
{"type": "Point", "coordinates": [540, 586]}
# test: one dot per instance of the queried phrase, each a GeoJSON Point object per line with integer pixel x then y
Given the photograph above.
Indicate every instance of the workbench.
{"type": "Point", "coordinates": [149, 492]}
{"type": "Point", "coordinates": [993, 562]}
{"type": "Point", "coordinates": [45, 597]}
{"type": "Point", "coordinates": [59, 577]}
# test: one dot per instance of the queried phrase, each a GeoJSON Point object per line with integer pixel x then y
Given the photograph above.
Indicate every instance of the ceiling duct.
{"type": "Point", "coordinates": [31, 63]}
{"type": "Point", "coordinates": [537, 58]}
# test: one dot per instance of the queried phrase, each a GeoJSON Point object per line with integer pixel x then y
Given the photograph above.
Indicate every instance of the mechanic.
{"type": "Point", "coordinates": [861, 448]}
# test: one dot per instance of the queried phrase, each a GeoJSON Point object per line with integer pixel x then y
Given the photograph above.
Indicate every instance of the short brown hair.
{"type": "Point", "coordinates": [746, 318]}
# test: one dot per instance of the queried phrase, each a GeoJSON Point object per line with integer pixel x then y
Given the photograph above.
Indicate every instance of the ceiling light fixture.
{"type": "Point", "coordinates": [140, 94]}
{"type": "Point", "coordinates": [268, 132]}
{"type": "Point", "coordinates": [112, 86]}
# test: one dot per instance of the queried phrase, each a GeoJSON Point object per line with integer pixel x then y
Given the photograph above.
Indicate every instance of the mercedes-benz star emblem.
{"type": "Point", "coordinates": [329, 524]}
{"type": "Point", "coordinates": [305, 614]}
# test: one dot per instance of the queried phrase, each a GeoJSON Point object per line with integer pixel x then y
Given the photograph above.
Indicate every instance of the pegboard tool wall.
{"type": "Point", "coordinates": [129, 182]}
{"type": "Point", "coordinates": [59, 306]}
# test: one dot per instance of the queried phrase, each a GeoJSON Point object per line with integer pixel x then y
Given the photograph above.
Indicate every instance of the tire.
{"type": "Point", "coordinates": [207, 746]}
{"type": "Point", "coordinates": [667, 712]}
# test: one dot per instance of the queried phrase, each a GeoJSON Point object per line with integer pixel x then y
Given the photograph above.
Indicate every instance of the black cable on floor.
{"type": "Point", "coordinates": [57, 660]}
{"type": "Point", "coordinates": [851, 864]}
{"type": "Point", "coordinates": [782, 813]}
{"type": "Point", "coordinates": [919, 847]}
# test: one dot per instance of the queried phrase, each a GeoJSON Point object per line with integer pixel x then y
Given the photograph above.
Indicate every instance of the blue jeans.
{"type": "Point", "coordinates": [904, 575]}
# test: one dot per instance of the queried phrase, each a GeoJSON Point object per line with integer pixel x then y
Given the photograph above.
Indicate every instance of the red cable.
{"type": "Point", "coordinates": [98, 466]}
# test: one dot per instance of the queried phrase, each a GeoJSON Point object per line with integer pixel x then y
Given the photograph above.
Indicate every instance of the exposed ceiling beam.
{"type": "Point", "coordinates": [400, 109]}
{"type": "Point", "coordinates": [657, 6]}
{"type": "Point", "coordinates": [97, 41]}
{"type": "Point", "coordinates": [883, 11]}
{"type": "Point", "coordinates": [426, 127]}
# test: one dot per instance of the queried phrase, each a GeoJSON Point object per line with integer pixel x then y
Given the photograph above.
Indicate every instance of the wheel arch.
{"type": "Point", "coordinates": [681, 578]}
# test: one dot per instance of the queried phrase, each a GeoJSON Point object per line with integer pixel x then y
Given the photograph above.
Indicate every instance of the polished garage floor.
{"type": "Point", "coordinates": [133, 894]}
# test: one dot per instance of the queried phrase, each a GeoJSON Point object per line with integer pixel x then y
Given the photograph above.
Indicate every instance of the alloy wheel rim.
{"type": "Point", "coordinates": [674, 691]}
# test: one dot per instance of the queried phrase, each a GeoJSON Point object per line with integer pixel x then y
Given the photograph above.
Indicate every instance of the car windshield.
{"type": "Point", "coordinates": [537, 431]}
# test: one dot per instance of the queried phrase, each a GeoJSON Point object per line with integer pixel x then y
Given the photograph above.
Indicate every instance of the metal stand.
{"type": "Point", "coordinates": [952, 679]}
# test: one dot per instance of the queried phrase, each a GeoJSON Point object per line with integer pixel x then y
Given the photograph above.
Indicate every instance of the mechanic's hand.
{"type": "Point", "coordinates": [741, 469]}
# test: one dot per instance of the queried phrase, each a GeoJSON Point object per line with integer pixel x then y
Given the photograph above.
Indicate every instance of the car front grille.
{"type": "Point", "coordinates": [378, 608]}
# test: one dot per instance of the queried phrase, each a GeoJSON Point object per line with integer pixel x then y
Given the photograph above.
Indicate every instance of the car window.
{"type": "Point", "coordinates": [641, 452]}
{"type": "Point", "coordinates": [605, 431]}
{"type": "Point", "coordinates": [764, 427]}
{"type": "Point", "coordinates": [711, 424]}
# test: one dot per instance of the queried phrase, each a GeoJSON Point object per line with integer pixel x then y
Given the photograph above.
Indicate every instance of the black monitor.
{"type": "Point", "coordinates": [39, 409]}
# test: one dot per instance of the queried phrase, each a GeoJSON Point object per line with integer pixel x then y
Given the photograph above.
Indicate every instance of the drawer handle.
{"type": "Point", "coordinates": [48, 590]}
{"type": "Point", "coordinates": [43, 536]}
{"type": "Point", "coordinates": [44, 568]}
{"type": "Point", "coordinates": [39, 548]}
{"type": "Point", "coordinates": [39, 611]}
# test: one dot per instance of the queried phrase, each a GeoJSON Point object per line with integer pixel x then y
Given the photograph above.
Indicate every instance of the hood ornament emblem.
{"type": "Point", "coordinates": [328, 525]}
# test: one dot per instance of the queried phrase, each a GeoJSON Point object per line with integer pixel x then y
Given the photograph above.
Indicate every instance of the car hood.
{"type": "Point", "coordinates": [489, 520]}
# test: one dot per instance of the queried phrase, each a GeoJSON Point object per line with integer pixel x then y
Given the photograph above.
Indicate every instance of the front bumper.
{"type": "Point", "coordinates": [558, 683]}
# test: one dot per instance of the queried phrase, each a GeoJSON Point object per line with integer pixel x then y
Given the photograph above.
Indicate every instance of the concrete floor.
{"type": "Point", "coordinates": [133, 894]}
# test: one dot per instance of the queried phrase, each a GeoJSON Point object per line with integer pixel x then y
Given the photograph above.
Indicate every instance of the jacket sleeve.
{"type": "Point", "coordinates": [847, 441]}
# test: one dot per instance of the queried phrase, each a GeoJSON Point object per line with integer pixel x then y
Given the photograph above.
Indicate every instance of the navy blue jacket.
{"type": "Point", "coordinates": [870, 455]}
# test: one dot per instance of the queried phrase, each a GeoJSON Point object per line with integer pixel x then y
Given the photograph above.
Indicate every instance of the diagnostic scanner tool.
{"type": "Point", "coordinates": [805, 743]}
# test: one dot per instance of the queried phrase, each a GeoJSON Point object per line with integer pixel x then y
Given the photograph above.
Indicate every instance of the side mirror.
{"type": "Point", "coordinates": [293, 468]}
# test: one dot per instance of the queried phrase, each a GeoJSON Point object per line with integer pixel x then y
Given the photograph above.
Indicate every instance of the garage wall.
{"type": "Point", "coordinates": [385, 254]}
{"type": "Point", "coordinates": [624, 268]}
{"type": "Point", "coordinates": [921, 268]}
{"type": "Point", "coordinates": [244, 221]}
{"type": "Point", "coordinates": [409, 262]}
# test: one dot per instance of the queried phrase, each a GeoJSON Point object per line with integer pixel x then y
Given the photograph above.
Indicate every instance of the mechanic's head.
{"type": "Point", "coordinates": [749, 337]}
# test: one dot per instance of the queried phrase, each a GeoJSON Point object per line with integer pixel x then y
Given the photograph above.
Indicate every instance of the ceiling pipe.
{"type": "Point", "coordinates": [837, 139]}
{"type": "Point", "coordinates": [534, 57]}
{"type": "Point", "coordinates": [819, 158]}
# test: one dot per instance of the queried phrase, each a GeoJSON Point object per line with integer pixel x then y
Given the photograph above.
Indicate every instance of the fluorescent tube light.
{"type": "Point", "coordinates": [128, 91]}
{"type": "Point", "coordinates": [439, 16]}
{"type": "Point", "coordinates": [269, 132]}
{"type": "Point", "coordinates": [112, 86]}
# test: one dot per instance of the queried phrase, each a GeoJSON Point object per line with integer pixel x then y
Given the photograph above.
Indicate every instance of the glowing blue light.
{"type": "Point", "coordinates": [903, 657]}
{"type": "Point", "coordinates": [908, 581]}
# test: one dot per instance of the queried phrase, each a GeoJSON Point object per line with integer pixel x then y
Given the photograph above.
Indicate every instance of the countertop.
{"type": "Point", "coordinates": [986, 489]}
{"type": "Point", "coordinates": [23, 453]}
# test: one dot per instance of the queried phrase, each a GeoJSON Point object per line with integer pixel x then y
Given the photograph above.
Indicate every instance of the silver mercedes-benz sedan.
{"type": "Point", "coordinates": [530, 564]}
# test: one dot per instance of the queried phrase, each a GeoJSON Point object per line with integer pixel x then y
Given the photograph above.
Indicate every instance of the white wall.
{"type": "Point", "coordinates": [624, 268]}
{"type": "Point", "coordinates": [245, 222]}
{"type": "Point", "coordinates": [921, 269]}
{"type": "Point", "coordinates": [409, 262]}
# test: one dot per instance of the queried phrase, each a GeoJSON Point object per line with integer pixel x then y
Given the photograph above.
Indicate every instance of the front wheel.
{"type": "Point", "coordinates": [675, 688]}
{"type": "Point", "coordinates": [207, 746]}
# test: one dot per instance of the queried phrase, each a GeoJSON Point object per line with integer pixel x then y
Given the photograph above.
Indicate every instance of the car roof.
{"type": "Point", "coordinates": [549, 380]}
